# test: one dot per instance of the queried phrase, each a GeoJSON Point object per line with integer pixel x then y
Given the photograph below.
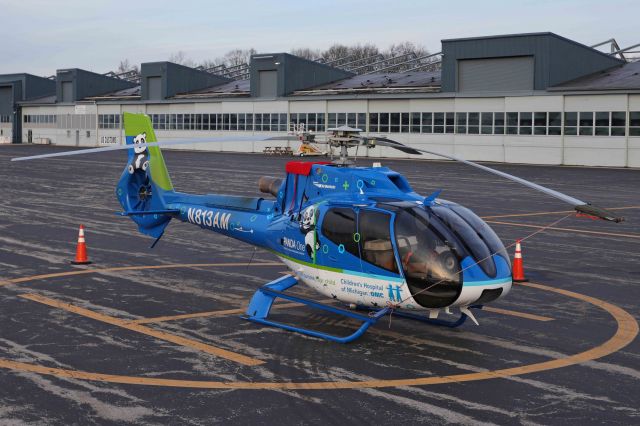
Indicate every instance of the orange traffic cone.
{"type": "Point", "coordinates": [81, 249]}
{"type": "Point", "coordinates": [517, 271]}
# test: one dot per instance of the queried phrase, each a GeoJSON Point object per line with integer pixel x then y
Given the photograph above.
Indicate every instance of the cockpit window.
{"type": "Point", "coordinates": [339, 226]}
{"type": "Point", "coordinates": [484, 231]}
{"type": "Point", "coordinates": [375, 239]}
{"type": "Point", "coordinates": [469, 237]}
{"type": "Point", "coordinates": [431, 268]}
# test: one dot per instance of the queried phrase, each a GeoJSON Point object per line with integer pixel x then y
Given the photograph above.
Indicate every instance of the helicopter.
{"type": "Point", "coordinates": [358, 235]}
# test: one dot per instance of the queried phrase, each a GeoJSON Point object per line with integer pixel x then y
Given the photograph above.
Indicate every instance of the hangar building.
{"type": "Point", "coordinates": [526, 98]}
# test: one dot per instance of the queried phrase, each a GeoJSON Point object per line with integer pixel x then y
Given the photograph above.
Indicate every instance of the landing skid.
{"type": "Point", "coordinates": [263, 298]}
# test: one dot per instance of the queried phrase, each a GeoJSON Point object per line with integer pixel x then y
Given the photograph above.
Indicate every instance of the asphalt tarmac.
{"type": "Point", "coordinates": [147, 336]}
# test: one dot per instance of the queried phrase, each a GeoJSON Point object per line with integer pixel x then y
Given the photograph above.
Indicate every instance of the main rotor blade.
{"type": "Point", "coordinates": [131, 146]}
{"type": "Point", "coordinates": [579, 205]}
{"type": "Point", "coordinates": [393, 144]}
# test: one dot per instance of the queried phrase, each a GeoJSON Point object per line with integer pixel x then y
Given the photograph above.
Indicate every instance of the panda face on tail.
{"type": "Point", "coordinates": [137, 141]}
{"type": "Point", "coordinates": [140, 160]}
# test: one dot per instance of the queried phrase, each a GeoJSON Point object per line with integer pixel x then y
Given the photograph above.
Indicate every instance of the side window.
{"type": "Point", "coordinates": [375, 240]}
{"type": "Point", "coordinates": [339, 226]}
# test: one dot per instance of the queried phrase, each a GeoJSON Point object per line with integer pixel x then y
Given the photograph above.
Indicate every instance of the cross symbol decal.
{"type": "Point", "coordinates": [345, 185]}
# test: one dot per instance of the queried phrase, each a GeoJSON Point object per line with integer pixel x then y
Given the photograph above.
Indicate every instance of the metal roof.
{"type": "Point", "coordinates": [380, 83]}
{"type": "Point", "coordinates": [127, 93]}
{"type": "Point", "coordinates": [51, 99]}
{"type": "Point", "coordinates": [624, 77]}
{"type": "Point", "coordinates": [232, 88]}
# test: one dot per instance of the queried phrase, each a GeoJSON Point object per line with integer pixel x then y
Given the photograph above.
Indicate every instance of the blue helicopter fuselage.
{"type": "Point", "coordinates": [362, 236]}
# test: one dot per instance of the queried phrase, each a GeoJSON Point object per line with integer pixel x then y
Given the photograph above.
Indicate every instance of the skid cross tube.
{"type": "Point", "coordinates": [434, 321]}
{"type": "Point", "coordinates": [263, 299]}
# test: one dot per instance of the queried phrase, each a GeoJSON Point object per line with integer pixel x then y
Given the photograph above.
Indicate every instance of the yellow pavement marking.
{"type": "Point", "coordinates": [516, 313]}
{"type": "Point", "coordinates": [626, 332]}
{"type": "Point", "coordinates": [182, 341]}
{"type": "Point", "coordinates": [131, 268]}
{"type": "Point", "coordinates": [501, 216]}
{"type": "Point", "coordinates": [204, 314]}
{"type": "Point", "coordinates": [556, 228]}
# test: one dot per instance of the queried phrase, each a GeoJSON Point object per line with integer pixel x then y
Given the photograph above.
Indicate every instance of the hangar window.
{"type": "Point", "coordinates": [351, 119]}
{"type": "Point", "coordinates": [540, 123]}
{"type": "Point", "coordinates": [105, 121]}
{"type": "Point", "coordinates": [258, 122]}
{"type": "Point", "coordinates": [394, 122]}
{"type": "Point", "coordinates": [373, 122]}
{"type": "Point", "coordinates": [526, 119]}
{"type": "Point", "coordinates": [312, 121]}
{"type": "Point", "coordinates": [404, 122]}
{"type": "Point", "coordinates": [474, 123]}
{"type": "Point", "coordinates": [332, 120]}
{"type": "Point", "coordinates": [602, 123]}
{"type": "Point", "coordinates": [634, 123]}
{"type": "Point", "coordinates": [242, 122]}
{"type": "Point", "coordinates": [618, 123]}
{"type": "Point", "coordinates": [427, 122]}
{"type": "Point", "coordinates": [438, 122]}
{"type": "Point", "coordinates": [585, 121]}
{"type": "Point", "coordinates": [512, 123]}
{"type": "Point", "coordinates": [498, 123]}
{"type": "Point", "coordinates": [486, 120]}
{"type": "Point", "coordinates": [415, 122]}
{"type": "Point", "coordinates": [570, 123]}
{"type": "Point", "coordinates": [362, 120]}
{"type": "Point", "coordinates": [384, 122]}
{"type": "Point", "coordinates": [450, 122]}
{"type": "Point", "coordinates": [555, 123]}
{"type": "Point", "coordinates": [461, 123]}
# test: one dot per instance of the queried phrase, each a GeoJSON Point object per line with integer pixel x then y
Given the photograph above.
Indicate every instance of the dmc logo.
{"type": "Point", "coordinates": [293, 244]}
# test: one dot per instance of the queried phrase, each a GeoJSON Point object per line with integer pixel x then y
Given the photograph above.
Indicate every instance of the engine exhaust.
{"type": "Point", "coordinates": [269, 185]}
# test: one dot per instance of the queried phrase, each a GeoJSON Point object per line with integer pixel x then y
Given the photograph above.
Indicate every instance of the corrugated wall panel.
{"type": "Point", "coordinates": [496, 74]}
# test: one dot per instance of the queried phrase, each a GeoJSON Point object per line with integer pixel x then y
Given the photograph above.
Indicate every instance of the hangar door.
{"type": "Point", "coordinates": [6, 100]}
{"type": "Point", "coordinates": [268, 86]}
{"type": "Point", "coordinates": [495, 74]}
{"type": "Point", "coordinates": [154, 85]}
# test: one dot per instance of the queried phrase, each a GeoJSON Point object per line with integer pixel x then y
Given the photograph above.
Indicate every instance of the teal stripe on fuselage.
{"type": "Point", "coordinates": [487, 282]}
{"type": "Point", "coordinates": [379, 277]}
{"type": "Point", "coordinates": [338, 270]}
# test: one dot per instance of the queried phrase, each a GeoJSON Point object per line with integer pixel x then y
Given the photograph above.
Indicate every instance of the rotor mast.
{"type": "Point", "coordinates": [344, 137]}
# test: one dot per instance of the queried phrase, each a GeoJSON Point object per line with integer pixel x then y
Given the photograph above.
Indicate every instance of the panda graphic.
{"type": "Point", "coordinates": [308, 228]}
{"type": "Point", "coordinates": [140, 159]}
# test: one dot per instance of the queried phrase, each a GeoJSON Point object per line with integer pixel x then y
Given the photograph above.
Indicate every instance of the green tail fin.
{"type": "Point", "coordinates": [139, 124]}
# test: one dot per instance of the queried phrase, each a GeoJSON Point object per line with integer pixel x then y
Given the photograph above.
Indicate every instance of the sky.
{"type": "Point", "coordinates": [40, 36]}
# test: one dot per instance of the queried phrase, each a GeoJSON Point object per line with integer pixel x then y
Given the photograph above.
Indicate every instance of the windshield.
{"type": "Point", "coordinates": [430, 266]}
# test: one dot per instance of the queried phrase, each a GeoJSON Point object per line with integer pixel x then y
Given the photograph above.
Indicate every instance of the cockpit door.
{"type": "Point", "coordinates": [376, 242]}
{"type": "Point", "coordinates": [357, 239]}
